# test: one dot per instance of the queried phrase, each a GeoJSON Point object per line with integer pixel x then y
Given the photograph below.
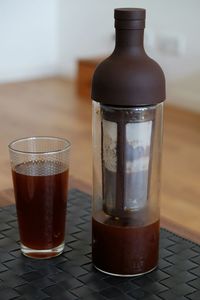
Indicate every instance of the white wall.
{"type": "Point", "coordinates": [28, 39]}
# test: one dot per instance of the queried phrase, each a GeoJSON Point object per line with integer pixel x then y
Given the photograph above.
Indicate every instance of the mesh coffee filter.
{"type": "Point", "coordinates": [126, 143]}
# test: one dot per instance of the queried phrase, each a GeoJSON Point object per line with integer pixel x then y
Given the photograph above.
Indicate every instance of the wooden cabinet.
{"type": "Point", "coordinates": [85, 72]}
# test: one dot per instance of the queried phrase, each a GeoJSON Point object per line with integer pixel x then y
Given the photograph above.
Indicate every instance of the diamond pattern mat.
{"type": "Point", "coordinates": [71, 275]}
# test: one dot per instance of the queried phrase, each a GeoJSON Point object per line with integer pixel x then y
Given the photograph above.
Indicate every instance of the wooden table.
{"type": "Point", "coordinates": [52, 107]}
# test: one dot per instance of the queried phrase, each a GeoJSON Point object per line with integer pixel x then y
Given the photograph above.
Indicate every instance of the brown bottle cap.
{"type": "Point", "coordinates": [129, 18]}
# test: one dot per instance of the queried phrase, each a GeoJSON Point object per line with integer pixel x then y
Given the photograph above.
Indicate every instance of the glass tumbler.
{"type": "Point", "coordinates": [40, 167]}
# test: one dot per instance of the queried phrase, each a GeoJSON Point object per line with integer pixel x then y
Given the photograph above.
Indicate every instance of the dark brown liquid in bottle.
{"type": "Point", "coordinates": [41, 203]}
{"type": "Point", "coordinates": [122, 249]}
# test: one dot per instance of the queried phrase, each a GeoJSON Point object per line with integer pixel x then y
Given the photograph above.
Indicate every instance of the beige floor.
{"type": "Point", "coordinates": [51, 107]}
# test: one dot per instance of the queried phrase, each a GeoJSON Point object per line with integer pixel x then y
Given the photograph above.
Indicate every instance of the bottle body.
{"type": "Point", "coordinates": [126, 182]}
{"type": "Point", "coordinates": [128, 89]}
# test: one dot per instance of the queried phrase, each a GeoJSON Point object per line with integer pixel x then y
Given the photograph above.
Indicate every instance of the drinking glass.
{"type": "Point", "coordinates": [40, 168]}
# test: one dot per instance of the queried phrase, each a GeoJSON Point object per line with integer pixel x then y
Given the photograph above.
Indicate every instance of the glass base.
{"type": "Point", "coordinates": [126, 275]}
{"type": "Point", "coordinates": [42, 254]}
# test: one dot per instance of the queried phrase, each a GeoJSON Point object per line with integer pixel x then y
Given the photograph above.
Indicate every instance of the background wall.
{"type": "Point", "coordinates": [40, 38]}
{"type": "Point", "coordinates": [29, 39]}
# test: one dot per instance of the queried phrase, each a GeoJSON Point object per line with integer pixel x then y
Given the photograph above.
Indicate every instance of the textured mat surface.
{"type": "Point", "coordinates": [71, 275]}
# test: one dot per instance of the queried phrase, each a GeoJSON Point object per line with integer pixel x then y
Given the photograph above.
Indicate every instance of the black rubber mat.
{"type": "Point", "coordinates": [71, 275]}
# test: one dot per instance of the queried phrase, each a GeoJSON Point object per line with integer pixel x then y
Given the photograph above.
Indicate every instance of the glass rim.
{"type": "Point", "coordinates": [66, 146]}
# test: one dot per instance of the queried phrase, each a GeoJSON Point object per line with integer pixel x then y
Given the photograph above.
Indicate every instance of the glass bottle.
{"type": "Point", "coordinates": [128, 91]}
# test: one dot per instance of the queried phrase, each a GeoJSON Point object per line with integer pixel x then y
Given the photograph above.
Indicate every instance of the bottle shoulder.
{"type": "Point", "coordinates": [118, 64]}
{"type": "Point", "coordinates": [138, 79]}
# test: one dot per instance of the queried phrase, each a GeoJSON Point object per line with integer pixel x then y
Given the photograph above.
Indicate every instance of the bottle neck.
{"type": "Point", "coordinates": [130, 40]}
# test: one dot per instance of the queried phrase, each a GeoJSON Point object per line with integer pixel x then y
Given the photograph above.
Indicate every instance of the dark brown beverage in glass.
{"type": "Point", "coordinates": [41, 196]}
{"type": "Point", "coordinates": [122, 248]}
